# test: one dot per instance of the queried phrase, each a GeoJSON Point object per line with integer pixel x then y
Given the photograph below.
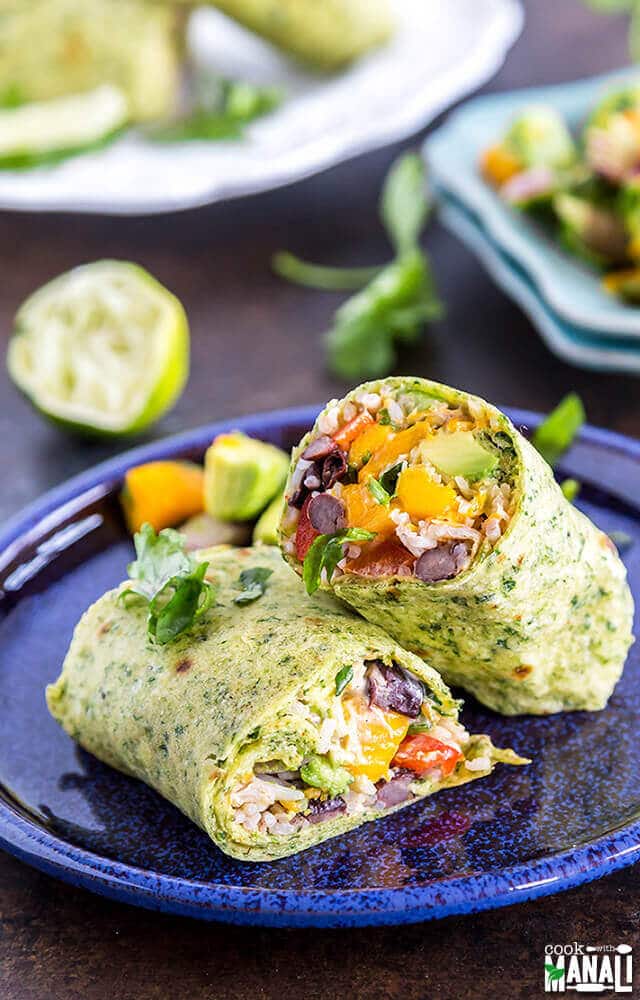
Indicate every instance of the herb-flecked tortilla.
{"type": "Point", "coordinates": [476, 560]}
{"type": "Point", "coordinates": [273, 724]}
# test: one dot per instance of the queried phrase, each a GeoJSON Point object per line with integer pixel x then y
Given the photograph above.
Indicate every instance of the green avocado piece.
{"type": "Point", "coordinates": [241, 476]}
{"type": "Point", "coordinates": [459, 454]}
{"type": "Point", "coordinates": [319, 772]}
{"type": "Point", "coordinates": [266, 529]}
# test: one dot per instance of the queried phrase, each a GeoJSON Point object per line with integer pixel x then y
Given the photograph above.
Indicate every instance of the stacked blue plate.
{"type": "Point", "coordinates": [578, 320]}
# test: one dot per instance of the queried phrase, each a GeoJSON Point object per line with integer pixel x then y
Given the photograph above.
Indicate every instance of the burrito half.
{"type": "Point", "coordinates": [273, 725]}
{"type": "Point", "coordinates": [459, 542]}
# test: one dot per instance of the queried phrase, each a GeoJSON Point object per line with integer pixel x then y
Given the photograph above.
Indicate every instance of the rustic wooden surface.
{"type": "Point", "coordinates": [255, 346]}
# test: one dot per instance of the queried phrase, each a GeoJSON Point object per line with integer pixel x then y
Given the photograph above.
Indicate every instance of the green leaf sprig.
{"type": "Point", "coordinates": [222, 110]}
{"type": "Point", "coordinates": [253, 583]}
{"type": "Point", "coordinates": [393, 303]}
{"type": "Point", "coordinates": [169, 581]}
{"type": "Point", "coordinates": [326, 552]}
{"type": "Point", "coordinates": [343, 678]}
{"type": "Point", "coordinates": [557, 433]}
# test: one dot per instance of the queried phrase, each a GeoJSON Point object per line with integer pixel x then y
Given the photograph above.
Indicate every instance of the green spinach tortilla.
{"type": "Point", "coordinates": [475, 561]}
{"type": "Point", "coordinates": [274, 725]}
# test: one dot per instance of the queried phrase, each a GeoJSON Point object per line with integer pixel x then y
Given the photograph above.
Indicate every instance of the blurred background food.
{"type": "Point", "coordinates": [73, 74]}
{"type": "Point", "coordinates": [53, 48]}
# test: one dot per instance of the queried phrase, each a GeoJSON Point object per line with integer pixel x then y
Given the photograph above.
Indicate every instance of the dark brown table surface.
{"type": "Point", "coordinates": [256, 345]}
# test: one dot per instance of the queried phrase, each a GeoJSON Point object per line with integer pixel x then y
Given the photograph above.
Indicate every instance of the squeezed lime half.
{"type": "Point", "coordinates": [102, 349]}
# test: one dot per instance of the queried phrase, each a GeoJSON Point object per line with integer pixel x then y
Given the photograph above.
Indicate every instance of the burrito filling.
{"type": "Point", "coordinates": [433, 481]}
{"type": "Point", "coordinates": [379, 742]}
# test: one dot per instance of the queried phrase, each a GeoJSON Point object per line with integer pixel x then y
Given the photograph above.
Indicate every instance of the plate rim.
{"type": "Point", "coordinates": [525, 243]}
{"type": "Point", "coordinates": [458, 81]}
{"type": "Point", "coordinates": [608, 357]}
{"type": "Point", "coordinates": [118, 880]}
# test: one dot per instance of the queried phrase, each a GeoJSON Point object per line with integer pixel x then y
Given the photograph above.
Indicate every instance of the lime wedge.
{"type": "Point", "coordinates": [33, 133]}
{"type": "Point", "coordinates": [103, 349]}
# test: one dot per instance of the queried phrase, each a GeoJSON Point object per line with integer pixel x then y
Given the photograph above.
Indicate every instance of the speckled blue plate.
{"type": "Point", "coordinates": [573, 815]}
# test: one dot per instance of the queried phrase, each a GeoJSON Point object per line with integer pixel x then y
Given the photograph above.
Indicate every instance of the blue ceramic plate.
{"type": "Point", "coordinates": [452, 152]}
{"type": "Point", "coordinates": [567, 341]}
{"type": "Point", "coordinates": [573, 815]}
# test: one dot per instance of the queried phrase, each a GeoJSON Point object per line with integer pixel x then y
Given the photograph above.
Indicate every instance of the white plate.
{"type": "Point", "coordinates": [441, 50]}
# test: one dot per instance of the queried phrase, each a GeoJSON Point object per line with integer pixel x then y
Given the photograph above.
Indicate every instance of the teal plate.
{"type": "Point", "coordinates": [570, 288]}
{"type": "Point", "coordinates": [567, 341]}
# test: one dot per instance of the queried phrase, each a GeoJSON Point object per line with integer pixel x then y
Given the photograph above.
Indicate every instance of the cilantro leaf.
{"type": "Point", "coordinates": [326, 552]}
{"type": "Point", "coordinates": [378, 492]}
{"type": "Point", "coordinates": [253, 583]}
{"type": "Point", "coordinates": [557, 432]}
{"type": "Point", "coordinates": [392, 304]}
{"type": "Point", "coordinates": [169, 581]}
{"type": "Point", "coordinates": [404, 206]}
{"type": "Point", "coordinates": [389, 479]}
{"type": "Point", "coordinates": [393, 307]}
{"type": "Point", "coordinates": [222, 109]}
{"type": "Point", "coordinates": [325, 279]}
{"type": "Point", "coordinates": [343, 678]}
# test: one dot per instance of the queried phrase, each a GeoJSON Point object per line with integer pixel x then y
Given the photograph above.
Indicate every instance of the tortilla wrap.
{"type": "Point", "coordinates": [532, 616]}
{"type": "Point", "coordinates": [224, 718]}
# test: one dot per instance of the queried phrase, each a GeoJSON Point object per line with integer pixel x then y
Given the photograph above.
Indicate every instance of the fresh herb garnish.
{"type": "Point", "coordinates": [378, 492]}
{"type": "Point", "coordinates": [169, 580]}
{"type": "Point", "coordinates": [222, 110]}
{"type": "Point", "coordinates": [389, 479]}
{"type": "Point", "coordinates": [253, 583]}
{"type": "Point", "coordinates": [324, 279]}
{"type": "Point", "coordinates": [398, 299]}
{"type": "Point", "coordinates": [326, 552]}
{"type": "Point", "coordinates": [343, 678]}
{"type": "Point", "coordinates": [570, 488]}
{"type": "Point", "coordinates": [383, 417]}
{"type": "Point", "coordinates": [419, 726]}
{"type": "Point", "coordinates": [557, 432]}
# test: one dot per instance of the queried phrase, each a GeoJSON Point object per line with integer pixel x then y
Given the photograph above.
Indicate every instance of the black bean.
{"type": "Point", "coordinates": [320, 448]}
{"type": "Point", "coordinates": [393, 792]}
{"type": "Point", "coordinates": [442, 563]}
{"type": "Point", "coordinates": [327, 514]}
{"type": "Point", "coordinates": [333, 468]}
{"type": "Point", "coordinates": [392, 690]}
{"type": "Point", "coordinates": [320, 811]}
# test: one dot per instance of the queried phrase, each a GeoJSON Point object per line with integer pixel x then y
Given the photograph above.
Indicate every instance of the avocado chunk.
{"type": "Point", "coordinates": [319, 772]}
{"type": "Point", "coordinates": [266, 529]}
{"type": "Point", "coordinates": [241, 476]}
{"type": "Point", "coordinates": [459, 454]}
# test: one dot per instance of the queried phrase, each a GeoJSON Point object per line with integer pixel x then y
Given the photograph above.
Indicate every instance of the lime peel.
{"type": "Point", "coordinates": [103, 349]}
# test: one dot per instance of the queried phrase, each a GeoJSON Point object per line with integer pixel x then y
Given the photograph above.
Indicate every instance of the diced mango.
{"type": "Point", "coordinates": [380, 734]}
{"type": "Point", "coordinates": [421, 497]}
{"type": "Point", "coordinates": [498, 164]}
{"type": "Point", "coordinates": [365, 512]}
{"type": "Point", "coordinates": [162, 493]}
{"type": "Point", "coordinates": [397, 444]}
{"type": "Point", "coordinates": [372, 438]}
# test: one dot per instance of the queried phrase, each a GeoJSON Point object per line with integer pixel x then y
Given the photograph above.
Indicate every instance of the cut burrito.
{"type": "Point", "coordinates": [274, 724]}
{"type": "Point", "coordinates": [425, 510]}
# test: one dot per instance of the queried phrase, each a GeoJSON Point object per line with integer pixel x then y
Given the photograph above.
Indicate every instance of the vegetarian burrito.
{"type": "Point", "coordinates": [276, 721]}
{"type": "Point", "coordinates": [424, 509]}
